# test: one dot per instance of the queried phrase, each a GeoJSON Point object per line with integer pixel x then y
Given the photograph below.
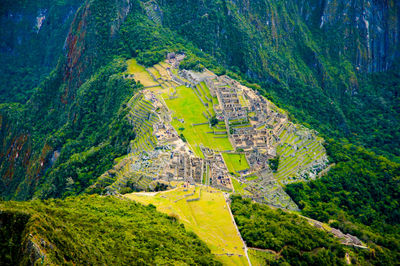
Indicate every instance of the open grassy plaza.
{"type": "Point", "coordinates": [188, 112]}
{"type": "Point", "coordinates": [236, 162]}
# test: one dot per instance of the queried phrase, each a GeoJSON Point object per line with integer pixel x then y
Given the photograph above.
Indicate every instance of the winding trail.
{"type": "Point", "coordinates": [226, 196]}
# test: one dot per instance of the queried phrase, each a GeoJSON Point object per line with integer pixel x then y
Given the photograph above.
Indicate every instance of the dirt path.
{"type": "Point", "coordinates": [266, 250]}
{"type": "Point", "coordinates": [226, 195]}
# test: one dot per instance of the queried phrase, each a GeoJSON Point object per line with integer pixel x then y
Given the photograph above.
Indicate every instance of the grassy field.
{"type": "Point", "coordinates": [235, 162]}
{"type": "Point", "coordinates": [154, 72]}
{"type": "Point", "coordinates": [187, 106]}
{"type": "Point", "coordinates": [209, 218]}
{"type": "Point", "coordinates": [140, 73]}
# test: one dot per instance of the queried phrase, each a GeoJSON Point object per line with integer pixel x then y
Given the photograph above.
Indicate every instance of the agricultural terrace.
{"type": "Point", "coordinates": [208, 217]}
{"type": "Point", "coordinates": [296, 153]}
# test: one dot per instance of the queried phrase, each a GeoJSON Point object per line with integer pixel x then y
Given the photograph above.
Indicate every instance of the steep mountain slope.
{"type": "Point", "coordinates": [332, 64]}
{"type": "Point", "coordinates": [366, 32]}
{"type": "Point", "coordinates": [32, 36]}
{"type": "Point", "coordinates": [278, 237]}
{"type": "Point", "coordinates": [95, 230]}
{"type": "Point", "coordinates": [68, 110]}
{"type": "Point", "coordinates": [360, 195]}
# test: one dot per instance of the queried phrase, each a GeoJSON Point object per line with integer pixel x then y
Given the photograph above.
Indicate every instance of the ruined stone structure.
{"type": "Point", "coordinates": [252, 124]}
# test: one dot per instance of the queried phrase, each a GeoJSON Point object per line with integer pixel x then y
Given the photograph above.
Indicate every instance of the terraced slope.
{"type": "Point", "coordinates": [142, 116]}
{"type": "Point", "coordinates": [301, 156]}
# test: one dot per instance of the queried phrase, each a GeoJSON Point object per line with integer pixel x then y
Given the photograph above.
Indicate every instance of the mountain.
{"type": "Point", "coordinates": [317, 83]}
{"type": "Point", "coordinates": [71, 117]}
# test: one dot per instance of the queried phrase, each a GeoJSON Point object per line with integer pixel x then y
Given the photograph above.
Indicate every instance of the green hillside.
{"type": "Point", "coordinates": [276, 237]}
{"type": "Point", "coordinates": [95, 230]}
{"type": "Point", "coordinates": [359, 195]}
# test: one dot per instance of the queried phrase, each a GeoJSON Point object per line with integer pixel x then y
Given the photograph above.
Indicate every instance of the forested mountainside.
{"type": "Point", "coordinates": [313, 57]}
{"type": "Point", "coordinates": [291, 239]}
{"type": "Point", "coordinates": [359, 195]}
{"type": "Point", "coordinates": [332, 64]}
{"type": "Point", "coordinates": [32, 36]}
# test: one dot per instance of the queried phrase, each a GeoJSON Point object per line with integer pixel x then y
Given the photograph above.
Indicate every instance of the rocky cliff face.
{"type": "Point", "coordinates": [88, 40]}
{"type": "Point", "coordinates": [366, 32]}
{"type": "Point", "coordinates": [368, 29]}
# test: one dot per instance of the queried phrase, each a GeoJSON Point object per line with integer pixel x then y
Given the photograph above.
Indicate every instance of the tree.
{"type": "Point", "coordinates": [213, 121]}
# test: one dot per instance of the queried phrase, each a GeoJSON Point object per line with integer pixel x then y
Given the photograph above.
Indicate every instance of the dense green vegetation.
{"type": "Point", "coordinates": [359, 195]}
{"type": "Point", "coordinates": [99, 134]}
{"type": "Point", "coordinates": [97, 230]}
{"type": "Point", "coordinates": [94, 132]}
{"type": "Point", "coordinates": [27, 54]}
{"type": "Point", "coordinates": [291, 238]}
{"type": "Point", "coordinates": [149, 43]}
{"type": "Point", "coordinates": [13, 225]}
{"type": "Point", "coordinates": [213, 121]}
{"type": "Point", "coordinates": [274, 163]}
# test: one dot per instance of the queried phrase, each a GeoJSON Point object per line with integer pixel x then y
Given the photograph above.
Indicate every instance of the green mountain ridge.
{"type": "Point", "coordinates": [95, 230]}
